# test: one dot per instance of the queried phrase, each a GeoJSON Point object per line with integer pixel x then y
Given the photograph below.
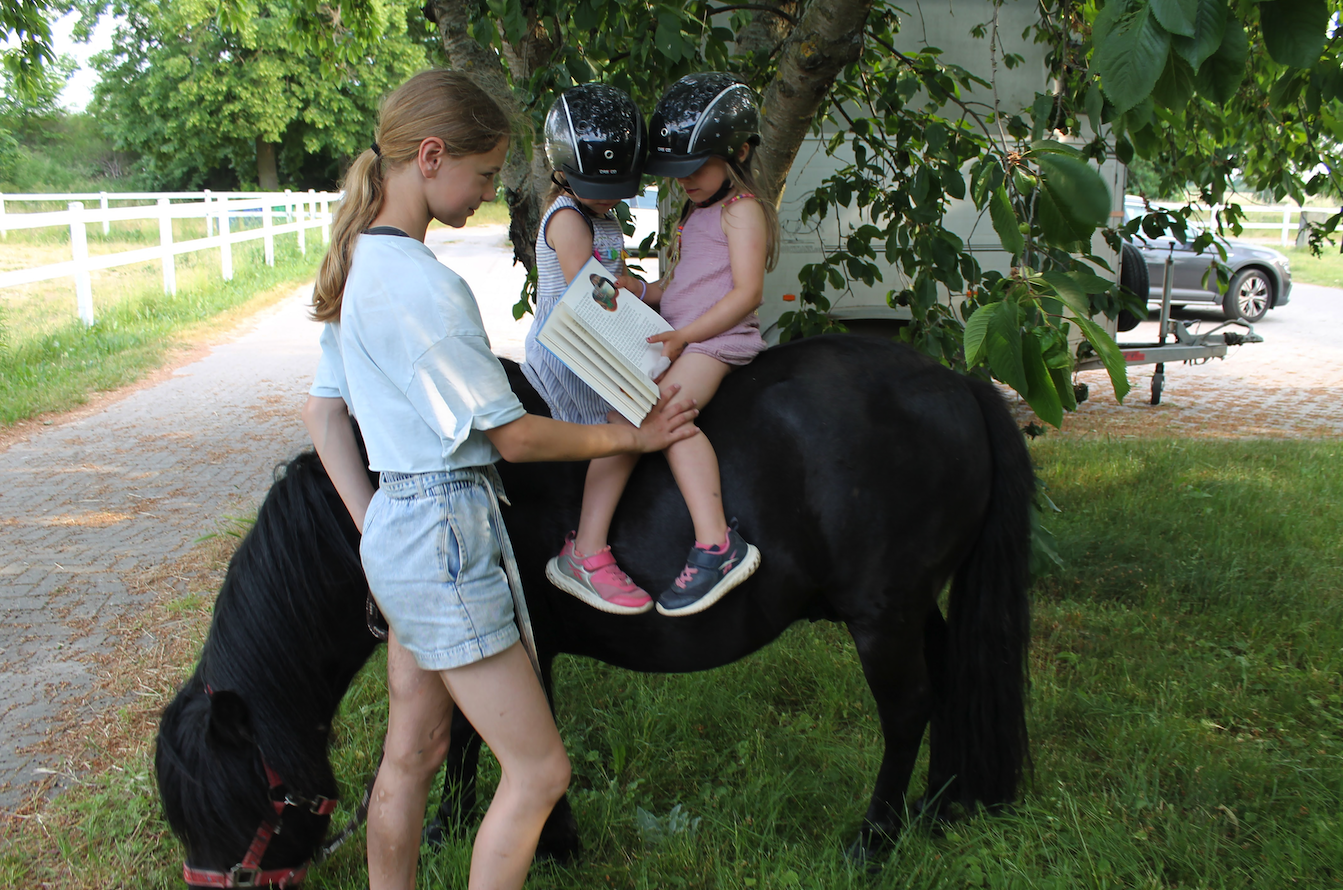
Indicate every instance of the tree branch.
{"type": "Point", "coordinates": [828, 37]}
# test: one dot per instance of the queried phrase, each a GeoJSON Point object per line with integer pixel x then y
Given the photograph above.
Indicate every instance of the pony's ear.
{"type": "Point", "coordinates": [230, 719]}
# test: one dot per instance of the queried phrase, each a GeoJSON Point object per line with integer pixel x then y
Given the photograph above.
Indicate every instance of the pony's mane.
{"type": "Point", "coordinates": [287, 637]}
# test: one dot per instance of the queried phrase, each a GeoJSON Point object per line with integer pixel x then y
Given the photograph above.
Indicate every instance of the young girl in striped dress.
{"type": "Point", "coordinates": [596, 142]}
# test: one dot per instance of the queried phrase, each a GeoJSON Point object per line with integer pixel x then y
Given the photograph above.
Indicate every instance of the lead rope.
{"type": "Point", "coordinates": [497, 495]}
{"type": "Point", "coordinates": [360, 814]}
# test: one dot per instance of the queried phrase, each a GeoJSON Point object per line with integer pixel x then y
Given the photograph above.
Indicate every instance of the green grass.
{"type": "Point", "coordinates": [1325, 270]}
{"type": "Point", "coordinates": [1186, 718]}
{"type": "Point", "coordinates": [50, 361]}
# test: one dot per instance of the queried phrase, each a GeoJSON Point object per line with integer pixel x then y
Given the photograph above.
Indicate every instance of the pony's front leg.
{"type": "Point", "coordinates": [457, 809]}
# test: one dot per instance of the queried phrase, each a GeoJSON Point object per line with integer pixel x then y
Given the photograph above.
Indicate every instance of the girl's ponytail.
{"type": "Point", "coordinates": [359, 207]}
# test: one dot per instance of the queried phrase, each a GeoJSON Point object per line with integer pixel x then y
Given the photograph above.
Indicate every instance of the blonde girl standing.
{"type": "Point", "coordinates": [404, 352]}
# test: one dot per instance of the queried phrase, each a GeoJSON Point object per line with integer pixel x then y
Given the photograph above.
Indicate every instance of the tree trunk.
{"type": "Point", "coordinates": [767, 30]}
{"type": "Point", "coordinates": [267, 176]}
{"type": "Point", "coordinates": [524, 182]}
{"type": "Point", "coordinates": [828, 37]}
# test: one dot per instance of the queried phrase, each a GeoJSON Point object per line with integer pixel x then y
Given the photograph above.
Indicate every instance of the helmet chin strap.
{"type": "Point", "coordinates": [717, 196]}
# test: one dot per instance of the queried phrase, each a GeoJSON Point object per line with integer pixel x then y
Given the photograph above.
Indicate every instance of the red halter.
{"type": "Point", "coordinates": [248, 873]}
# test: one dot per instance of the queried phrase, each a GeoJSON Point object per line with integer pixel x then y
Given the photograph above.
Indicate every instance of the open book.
{"type": "Point", "coordinates": [602, 336]}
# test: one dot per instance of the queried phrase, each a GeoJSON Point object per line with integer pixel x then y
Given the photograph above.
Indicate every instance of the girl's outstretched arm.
{"type": "Point", "coordinates": [328, 422]}
{"type": "Point", "coordinates": [744, 226]}
{"type": "Point", "coordinates": [534, 438]}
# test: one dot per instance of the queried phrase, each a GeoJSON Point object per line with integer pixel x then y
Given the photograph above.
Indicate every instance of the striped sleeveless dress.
{"type": "Point", "coordinates": [568, 397]}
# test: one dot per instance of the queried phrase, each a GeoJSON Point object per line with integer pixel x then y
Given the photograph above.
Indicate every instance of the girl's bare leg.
{"type": "Point", "coordinates": [503, 700]}
{"type": "Point", "coordinates": [606, 481]}
{"type": "Point", "coordinates": [693, 461]}
{"type": "Point", "coordinates": [419, 713]}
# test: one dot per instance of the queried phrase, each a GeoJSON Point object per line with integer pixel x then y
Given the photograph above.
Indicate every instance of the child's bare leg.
{"type": "Point", "coordinates": [419, 715]}
{"type": "Point", "coordinates": [504, 702]}
{"type": "Point", "coordinates": [606, 481]}
{"type": "Point", "coordinates": [693, 461]}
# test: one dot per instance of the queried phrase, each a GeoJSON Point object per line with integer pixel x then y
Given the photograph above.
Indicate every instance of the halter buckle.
{"type": "Point", "coordinates": [243, 876]}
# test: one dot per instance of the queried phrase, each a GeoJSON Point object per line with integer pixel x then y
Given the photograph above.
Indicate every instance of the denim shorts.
{"type": "Point", "coordinates": [432, 558]}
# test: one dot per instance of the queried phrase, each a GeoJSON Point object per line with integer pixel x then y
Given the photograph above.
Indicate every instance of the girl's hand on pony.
{"type": "Point", "coordinates": [673, 344]}
{"type": "Point", "coordinates": [669, 422]}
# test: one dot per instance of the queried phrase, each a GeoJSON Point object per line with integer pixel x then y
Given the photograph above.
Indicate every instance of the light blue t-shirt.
{"type": "Point", "coordinates": [411, 359]}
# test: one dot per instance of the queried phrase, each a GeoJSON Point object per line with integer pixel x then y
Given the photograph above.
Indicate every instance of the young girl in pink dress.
{"type": "Point", "coordinates": [702, 134]}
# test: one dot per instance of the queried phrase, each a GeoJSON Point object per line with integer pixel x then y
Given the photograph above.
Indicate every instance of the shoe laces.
{"type": "Point", "coordinates": [687, 575]}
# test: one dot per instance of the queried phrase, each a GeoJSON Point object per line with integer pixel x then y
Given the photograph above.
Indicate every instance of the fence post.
{"type": "Point", "coordinates": [79, 247]}
{"type": "Point", "coordinates": [209, 226]}
{"type": "Point", "coordinates": [326, 219]}
{"type": "Point", "coordinates": [300, 214]}
{"type": "Point", "coordinates": [1286, 219]}
{"type": "Point", "coordinates": [4, 232]}
{"type": "Point", "coordinates": [102, 205]}
{"type": "Point", "coordinates": [166, 242]}
{"type": "Point", "coordinates": [225, 244]}
{"type": "Point", "coordinates": [288, 206]}
{"type": "Point", "coordinates": [266, 224]}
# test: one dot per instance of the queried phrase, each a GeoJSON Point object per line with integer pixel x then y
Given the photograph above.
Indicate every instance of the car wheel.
{"type": "Point", "coordinates": [1134, 277]}
{"type": "Point", "coordinates": [1249, 296]}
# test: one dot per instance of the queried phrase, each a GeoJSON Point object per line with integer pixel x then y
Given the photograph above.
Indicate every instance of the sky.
{"type": "Point", "coordinates": [80, 88]}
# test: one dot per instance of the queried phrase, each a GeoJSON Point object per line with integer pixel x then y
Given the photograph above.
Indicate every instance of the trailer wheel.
{"type": "Point", "coordinates": [1158, 383]}
{"type": "Point", "coordinates": [1133, 276]}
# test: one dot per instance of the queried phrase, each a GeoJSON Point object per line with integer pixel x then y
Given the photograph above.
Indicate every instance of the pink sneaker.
{"type": "Point", "coordinates": [597, 580]}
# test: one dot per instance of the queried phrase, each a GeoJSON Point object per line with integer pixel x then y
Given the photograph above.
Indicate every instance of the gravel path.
{"type": "Point", "coordinates": [96, 497]}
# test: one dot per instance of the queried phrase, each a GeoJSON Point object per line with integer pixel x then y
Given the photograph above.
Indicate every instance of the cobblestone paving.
{"type": "Point", "coordinates": [1291, 385]}
{"type": "Point", "coordinates": [88, 502]}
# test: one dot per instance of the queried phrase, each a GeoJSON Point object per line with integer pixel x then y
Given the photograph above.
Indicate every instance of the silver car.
{"type": "Point", "coordinates": [1260, 277]}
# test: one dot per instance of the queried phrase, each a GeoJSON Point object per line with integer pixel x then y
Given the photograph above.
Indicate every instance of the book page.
{"type": "Point", "coordinates": [624, 329]}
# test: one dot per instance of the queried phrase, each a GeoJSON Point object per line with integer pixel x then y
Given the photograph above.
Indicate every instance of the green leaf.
{"type": "Point", "coordinates": [1176, 16]}
{"type": "Point", "coordinates": [976, 332]}
{"type": "Point", "coordinates": [1005, 223]}
{"type": "Point", "coordinates": [1209, 25]}
{"type": "Point", "coordinates": [1176, 86]}
{"type": "Point", "coordinates": [1110, 356]}
{"type": "Point", "coordinates": [1063, 385]}
{"type": "Point", "coordinates": [1294, 30]}
{"type": "Point", "coordinates": [1069, 292]}
{"type": "Point", "coordinates": [1095, 105]}
{"type": "Point", "coordinates": [1221, 75]}
{"type": "Point", "coordinates": [1130, 53]}
{"type": "Point", "coordinates": [1003, 344]}
{"type": "Point", "coordinates": [1078, 188]}
{"type": "Point", "coordinates": [1058, 228]}
{"type": "Point", "coordinates": [668, 35]}
{"type": "Point", "coordinates": [1040, 393]}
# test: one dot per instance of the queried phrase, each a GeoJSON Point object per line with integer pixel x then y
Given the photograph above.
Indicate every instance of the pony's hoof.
{"type": "Point", "coordinates": [867, 852]}
{"type": "Point", "coordinates": [435, 834]}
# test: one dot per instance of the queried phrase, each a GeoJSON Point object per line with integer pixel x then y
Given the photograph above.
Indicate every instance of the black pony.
{"type": "Point", "coordinates": [868, 475]}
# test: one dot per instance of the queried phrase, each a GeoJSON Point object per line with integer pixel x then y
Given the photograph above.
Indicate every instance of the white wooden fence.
{"type": "Point", "coordinates": [1291, 216]}
{"type": "Point", "coordinates": [280, 213]}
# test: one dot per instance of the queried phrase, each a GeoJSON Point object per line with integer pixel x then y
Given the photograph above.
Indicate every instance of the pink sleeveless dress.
{"type": "Point", "coordinates": [702, 278]}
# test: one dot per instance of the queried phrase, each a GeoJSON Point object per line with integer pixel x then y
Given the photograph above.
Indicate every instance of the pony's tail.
{"type": "Point", "coordinates": [978, 747]}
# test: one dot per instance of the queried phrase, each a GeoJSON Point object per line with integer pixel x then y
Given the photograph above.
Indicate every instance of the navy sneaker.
{"type": "Point", "coordinates": [708, 574]}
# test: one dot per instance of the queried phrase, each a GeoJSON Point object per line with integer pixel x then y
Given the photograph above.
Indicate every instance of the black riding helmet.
{"type": "Point", "coordinates": [701, 115]}
{"type": "Point", "coordinates": [596, 137]}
